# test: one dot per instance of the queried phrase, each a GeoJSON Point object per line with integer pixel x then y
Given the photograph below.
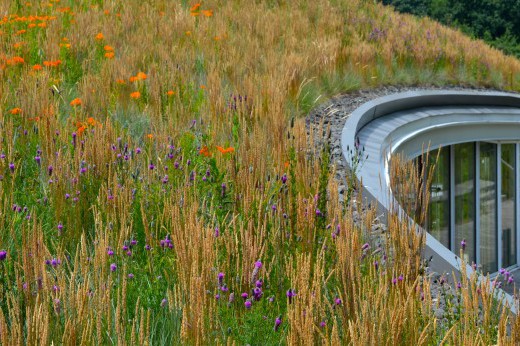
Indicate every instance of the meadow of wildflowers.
{"type": "Point", "coordinates": [158, 184]}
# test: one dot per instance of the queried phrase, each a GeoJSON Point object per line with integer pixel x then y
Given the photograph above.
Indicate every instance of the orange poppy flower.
{"type": "Point", "coordinates": [20, 32]}
{"type": "Point", "coordinates": [204, 151]}
{"type": "Point", "coordinates": [195, 7]}
{"type": "Point", "coordinates": [149, 136]}
{"type": "Point", "coordinates": [109, 55]}
{"type": "Point", "coordinates": [170, 92]}
{"type": "Point", "coordinates": [37, 67]}
{"type": "Point", "coordinates": [225, 150]}
{"type": "Point", "coordinates": [55, 63]}
{"type": "Point", "coordinates": [100, 36]}
{"type": "Point", "coordinates": [141, 76]}
{"type": "Point", "coordinates": [91, 121]}
{"type": "Point", "coordinates": [207, 13]}
{"type": "Point", "coordinates": [108, 48]}
{"type": "Point", "coordinates": [15, 111]}
{"type": "Point", "coordinates": [194, 14]}
{"type": "Point", "coordinates": [81, 129]}
{"type": "Point", "coordinates": [76, 102]}
{"type": "Point", "coordinates": [42, 25]}
{"type": "Point", "coordinates": [120, 81]}
{"type": "Point", "coordinates": [16, 60]}
{"type": "Point", "coordinates": [135, 95]}
{"type": "Point", "coordinates": [31, 25]}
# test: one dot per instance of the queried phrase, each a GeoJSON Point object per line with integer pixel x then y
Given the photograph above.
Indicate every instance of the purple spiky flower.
{"type": "Point", "coordinates": [277, 323]}
{"type": "Point", "coordinates": [257, 293]}
{"type": "Point", "coordinates": [113, 267]}
{"type": "Point", "coordinates": [247, 304]}
{"type": "Point", "coordinates": [290, 294]}
{"type": "Point", "coordinates": [3, 255]}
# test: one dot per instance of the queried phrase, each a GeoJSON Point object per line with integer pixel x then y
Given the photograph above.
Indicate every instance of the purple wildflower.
{"type": "Point", "coordinates": [277, 323]}
{"type": "Point", "coordinates": [3, 255]}
{"type": "Point", "coordinates": [258, 266]}
{"type": "Point", "coordinates": [113, 267]}
{"type": "Point", "coordinates": [164, 302]}
{"type": "Point", "coordinates": [290, 294]}
{"type": "Point", "coordinates": [247, 304]}
{"type": "Point", "coordinates": [284, 178]}
{"type": "Point", "coordinates": [244, 295]}
{"type": "Point", "coordinates": [11, 167]}
{"type": "Point", "coordinates": [130, 276]}
{"type": "Point", "coordinates": [220, 277]}
{"type": "Point", "coordinates": [257, 293]}
{"type": "Point", "coordinates": [463, 244]}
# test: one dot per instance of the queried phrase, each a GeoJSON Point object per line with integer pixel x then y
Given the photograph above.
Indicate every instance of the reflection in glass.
{"type": "Point", "coordinates": [508, 205]}
{"type": "Point", "coordinates": [439, 206]}
{"type": "Point", "coordinates": [488, 210]}
{"type": "Point", "coordinates": [465, 199]}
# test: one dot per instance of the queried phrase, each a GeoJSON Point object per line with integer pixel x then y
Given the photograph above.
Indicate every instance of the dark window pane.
{"type": "Point", "coordinates": [508, 205]}
{"type": "Point", "coordinates": [465, 199]}
{"type": "Point", "coordinates": [487, 204]}
{"type": "Point", "coordinates": [439, 206]}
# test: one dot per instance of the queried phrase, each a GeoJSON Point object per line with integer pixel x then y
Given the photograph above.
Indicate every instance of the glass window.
{"type": "Point", "coordinates": [487, 186]}
{"type": "Point", "coordinates": [438, 223]}
{"type": "Point", "coordinates": [508, 205]}
{"type": "Point", "coordinates": [465, 199]}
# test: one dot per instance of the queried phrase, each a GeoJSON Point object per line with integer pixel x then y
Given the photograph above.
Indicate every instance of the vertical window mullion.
{"type": "Point", "coordinates": [452, 198]}
{"type": "Point", "coordinates": [477, 203]}
{"type": "Point", "coordinates": [517, 200]}
{"type": "Point", "coordinates": [499, 205]}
